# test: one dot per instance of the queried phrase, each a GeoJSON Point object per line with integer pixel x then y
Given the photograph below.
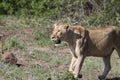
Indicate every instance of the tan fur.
{"type": "Point", "coordinates": [99, 42]}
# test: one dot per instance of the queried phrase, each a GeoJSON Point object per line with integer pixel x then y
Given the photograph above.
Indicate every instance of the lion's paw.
{"type": "Point", "coordinates": [78, 75]}
{"type": "Point", "coordinates": [101, 77]}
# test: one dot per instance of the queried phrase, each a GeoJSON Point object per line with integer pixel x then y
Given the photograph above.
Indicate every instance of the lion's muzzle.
{"type": "Point", "coordinates": [56, 41]}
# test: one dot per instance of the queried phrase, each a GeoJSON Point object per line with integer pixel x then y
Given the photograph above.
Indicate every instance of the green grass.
{"type": "Point", "coordinates": [11, 72]}
{"type": "Point", "coordinates": [49, 57]}
{"type": "Point", "coordinates": [39, 72]}
{"type": "Point", "coordinates": [68, 76]}
{"type": "Point", "coordinates": [15, 42]}
{"type": "Point", "coordinates": [42, 37]}
{"type": "Point", "coordinates": [41, 55]}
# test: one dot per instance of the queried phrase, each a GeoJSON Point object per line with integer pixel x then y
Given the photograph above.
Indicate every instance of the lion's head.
{"type": "Point", "coordinates": [59, 32]}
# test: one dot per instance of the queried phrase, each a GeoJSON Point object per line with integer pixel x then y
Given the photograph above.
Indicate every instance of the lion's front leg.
{"type": "Point", "coordinates": [79, 50]}
{"type": "Point", "coordinates": [78, 66]}
{"type": "Point", "coordinates": [72, 65]}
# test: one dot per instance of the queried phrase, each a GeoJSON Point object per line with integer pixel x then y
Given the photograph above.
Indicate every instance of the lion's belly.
{"type": "Point", "coordinates": [99, 53]}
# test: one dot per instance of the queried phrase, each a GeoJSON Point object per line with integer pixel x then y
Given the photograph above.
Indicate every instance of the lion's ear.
{"type": "Point", "coordinates": [67, 26]}
{"type": "Point", "coordinates": [55, 25]}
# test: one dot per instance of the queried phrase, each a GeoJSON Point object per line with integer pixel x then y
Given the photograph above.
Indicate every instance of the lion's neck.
{"type": "Point", "coordinates": [73, 34]}
{"type": "Point", "coordinates": [69, 37]}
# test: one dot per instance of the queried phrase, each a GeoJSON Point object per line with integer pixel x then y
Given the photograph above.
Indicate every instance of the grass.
{"type": "Point", "coordinates": [10, 72]}
{"type": "Point", "coordinates": [41, 55]}
{"type": "Point", "coordinates": [30, 40]}
{"type": "Point", "coordinates": [15, 42]}
{"type": "Point", "coordinates": [39, 72]}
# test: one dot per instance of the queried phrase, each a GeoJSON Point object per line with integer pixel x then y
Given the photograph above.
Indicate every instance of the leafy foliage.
{"type": "Point", "coordinates": [103, 12]}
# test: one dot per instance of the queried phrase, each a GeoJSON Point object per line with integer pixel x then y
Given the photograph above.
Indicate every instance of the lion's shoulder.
{"type": "Point", "coordinates": [78, 29]}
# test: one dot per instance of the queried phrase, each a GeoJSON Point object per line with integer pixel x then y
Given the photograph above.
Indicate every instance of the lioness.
{"type": "Point", "coordinates": [83, 42]}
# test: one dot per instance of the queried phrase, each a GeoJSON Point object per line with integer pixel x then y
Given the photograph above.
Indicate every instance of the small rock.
{"type": "Point", "coordinates": [9, 58]}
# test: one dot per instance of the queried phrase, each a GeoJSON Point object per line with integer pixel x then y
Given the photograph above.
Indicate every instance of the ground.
{"type": "Point", "coordinates": [29, 40]}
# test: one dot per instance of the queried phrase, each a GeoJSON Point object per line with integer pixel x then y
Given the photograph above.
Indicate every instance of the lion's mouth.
{"type": "Point", "coordinates": [57, 42]}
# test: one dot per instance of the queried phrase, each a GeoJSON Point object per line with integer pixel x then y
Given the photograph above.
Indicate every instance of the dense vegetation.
{"type": "Point", "coordinates": [85, 12]}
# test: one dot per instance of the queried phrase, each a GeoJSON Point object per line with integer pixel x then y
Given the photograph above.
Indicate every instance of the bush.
{"type": "Point", "coordinates": [105, 12]}
{"type": "Point", "coordinates": [29, 7]}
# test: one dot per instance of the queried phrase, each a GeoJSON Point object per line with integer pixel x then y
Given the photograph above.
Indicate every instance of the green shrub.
{"type": "Point", "coordinates": [106, 12]}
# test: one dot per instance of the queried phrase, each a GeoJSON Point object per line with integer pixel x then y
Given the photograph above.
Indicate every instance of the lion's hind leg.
{"type": "Point", "coordinates": [107, 67]}
{"type": "Point", "coordinates": [117, 42]}
{"type": "Point", "coordinates": [118, 51]}
{"type": "Point", "coordinates": [117, 48]}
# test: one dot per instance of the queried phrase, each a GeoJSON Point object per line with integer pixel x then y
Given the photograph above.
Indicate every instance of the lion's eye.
{"type": "Point", "coordinates": [58, 30]}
